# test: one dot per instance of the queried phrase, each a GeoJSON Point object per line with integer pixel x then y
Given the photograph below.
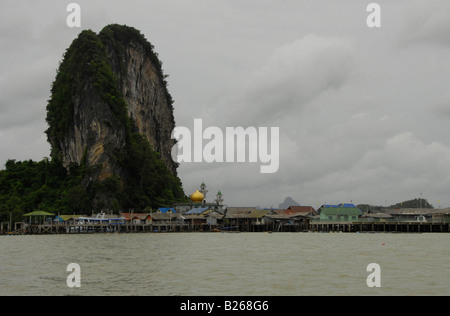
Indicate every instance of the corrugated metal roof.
{"type": "Point", "coordinates": [415, 211]}
{"type": "Point", "coordinates": [260, 213]}
{"type": "Point", "coordinates": [287, 216]}
{"type": "Point", "coordinates": [216, 215]}
{"type": "Point", "coordinates": [345, 205]}
{"type": "Point", "coordinates": [341, 211]}
{"type": "Point", "coordinates": [249, 212]}
{"type": "Point", "coordinates": [69, 217]}
{"type": "Point", "coordinates": [164, 216]}
{"type": "Point", "coordinates": [297, 209]}
{"type": "Point", "coordinates": [39, 213]}
{"type": "Point", "coordinates": [193, 216]}
{"type": "Point", "coordinates": [379, 215]}
{"type": "Point", "coordinates": [238, 212]}
{"type": "Point", "coordinates": [166, 209]}
{"type": "Point", "coordinates": [129, 216]}
{"type": "Point", "coordinates": [197, 210]}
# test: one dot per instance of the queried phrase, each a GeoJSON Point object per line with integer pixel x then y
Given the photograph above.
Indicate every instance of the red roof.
{"type": "Point", "coordinates": [299, 209]}
{"type": "Point", "coordinates": [140, 216]}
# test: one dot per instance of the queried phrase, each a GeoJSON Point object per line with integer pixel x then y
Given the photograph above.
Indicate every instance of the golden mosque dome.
{"type": "Point", "coordinates": [197, 197]}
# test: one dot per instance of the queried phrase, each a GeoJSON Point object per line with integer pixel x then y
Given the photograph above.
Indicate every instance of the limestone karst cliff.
{"type": "Point", "coordinates": [110, 115]}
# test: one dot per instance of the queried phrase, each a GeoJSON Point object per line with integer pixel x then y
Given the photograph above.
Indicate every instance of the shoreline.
{"type": "Point", "coordinates": [407, 228]}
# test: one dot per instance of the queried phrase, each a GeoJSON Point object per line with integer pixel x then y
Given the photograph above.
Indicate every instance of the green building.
{"type": "Point", "coordinates": [339, 213]}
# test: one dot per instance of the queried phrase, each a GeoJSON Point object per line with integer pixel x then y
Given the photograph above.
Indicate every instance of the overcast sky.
{"type": "Point", "coordinates": [363, 113]}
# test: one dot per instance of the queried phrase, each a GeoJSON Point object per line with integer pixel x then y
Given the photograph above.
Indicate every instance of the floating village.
{"type": "Point", "coordinates": [215, 216]}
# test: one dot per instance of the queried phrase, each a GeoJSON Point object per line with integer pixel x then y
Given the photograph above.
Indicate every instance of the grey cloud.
{"type": "Point", "coordinates": [426, 22]}
{"type": "Point", "coordinates": [442, 108]}
{"type": "Point", "coordinates": [26, 90]}
{"type": "Point", "coordinates": [294, 75]}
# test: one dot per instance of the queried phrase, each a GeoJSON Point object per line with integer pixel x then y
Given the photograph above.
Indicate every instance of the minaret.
{"type": "Point", "coordinates": [203, 189]}
{"type": "Point", "coordinates": [219, 200]}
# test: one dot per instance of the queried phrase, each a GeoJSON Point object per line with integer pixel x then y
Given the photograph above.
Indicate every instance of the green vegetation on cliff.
{"type": "Point", "coordinates": [85, 63]}
{"type": "Point", "coordinates": [115, 35]}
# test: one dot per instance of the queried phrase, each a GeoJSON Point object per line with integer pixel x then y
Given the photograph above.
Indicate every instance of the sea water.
{"type": "Point", "coordinates": [211, 264]}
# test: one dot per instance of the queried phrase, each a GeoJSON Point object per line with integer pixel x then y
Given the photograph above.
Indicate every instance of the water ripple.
{"type": "Point", "coordinates": [225, 264]}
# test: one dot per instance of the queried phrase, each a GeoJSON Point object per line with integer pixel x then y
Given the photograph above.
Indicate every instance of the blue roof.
{"type": "Point", "coordinates": [347, 205]}
{"type": "Point", "coordinates": [58, 219]}
{"type": "Point", "coordinates": [166, 209]}
{"type": "Point", "coordinates": [197, 210]}
{"type": "Point", "coordinates": [340, 205]}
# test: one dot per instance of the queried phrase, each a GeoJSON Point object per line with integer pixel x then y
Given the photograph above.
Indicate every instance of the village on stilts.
{"type": "Point", "coordinates": [201, 216]}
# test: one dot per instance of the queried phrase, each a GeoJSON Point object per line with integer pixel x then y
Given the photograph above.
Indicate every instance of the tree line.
{"type": "Point", "coordinates": [413, 203]}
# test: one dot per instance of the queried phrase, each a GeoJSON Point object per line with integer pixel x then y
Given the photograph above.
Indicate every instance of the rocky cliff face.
{"type": "Point", "coordinates": [143, 86]}
{"type": "Point", "coordinates": [109, 88]}
{"type": "Point", "coordinates": [93, 137]}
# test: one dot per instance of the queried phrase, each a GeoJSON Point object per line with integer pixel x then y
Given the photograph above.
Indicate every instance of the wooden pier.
{"type": "Point", "coordinates": [378, 226]}
{"type": "Point", "coordinates": [99, 227]}
{"type": "Point", "coordinates": [22, 228]}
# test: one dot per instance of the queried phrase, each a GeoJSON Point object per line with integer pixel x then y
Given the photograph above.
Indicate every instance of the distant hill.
{"type": "Point", "coordinates": [414, 203]}
{"type": "Point", "coordinates": [288, 201]}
